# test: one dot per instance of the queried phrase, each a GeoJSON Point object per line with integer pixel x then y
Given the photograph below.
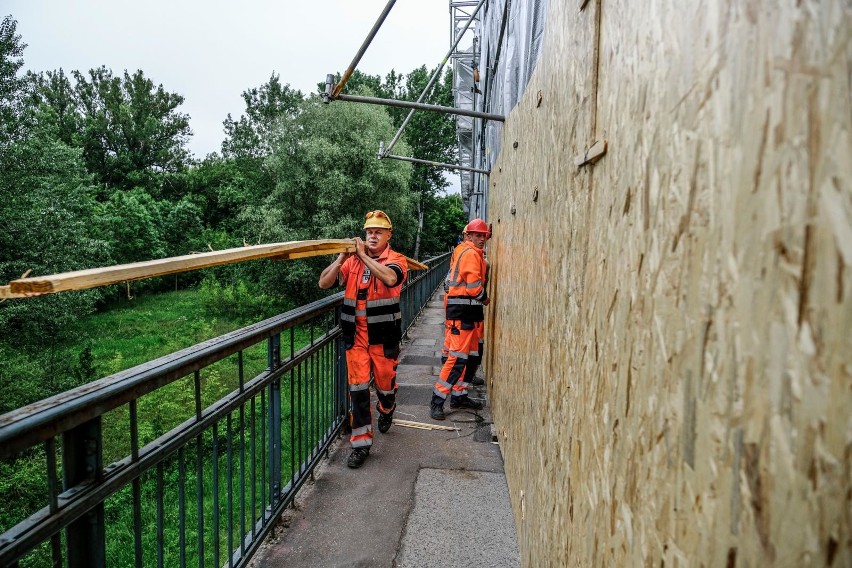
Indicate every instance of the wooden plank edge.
{"type": "Point", "coordinates": [414, 265]}
{"type": "Point", "coordinates": [6, 293]}
{"type": "Point", "coordinates": [591, 155]}
{"type": "Point", "coordinates": [424, 425]}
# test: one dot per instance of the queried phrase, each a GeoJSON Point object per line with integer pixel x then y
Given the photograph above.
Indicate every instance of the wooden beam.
{"type": "Point", "coordinates": [591, 155]}
{"type": "Point", "coordinates": [424, 425]}
{"type": "Point", "coordinates": [95, 277]}
{"type": "Point", "coordinates": [412, 264]}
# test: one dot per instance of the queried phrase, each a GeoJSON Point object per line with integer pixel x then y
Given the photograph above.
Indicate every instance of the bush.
{"type": "Point", "coordinates": [237, 301]}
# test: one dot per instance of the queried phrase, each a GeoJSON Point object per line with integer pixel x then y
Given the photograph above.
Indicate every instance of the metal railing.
{"type": "Point", "coordinates": [245, 455]}
{"type": "Point", "coordinates": [420, 288]}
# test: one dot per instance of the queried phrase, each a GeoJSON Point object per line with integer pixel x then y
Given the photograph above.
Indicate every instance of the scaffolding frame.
{"type": "Point", "coordinates": [465, 91]}
{"type": "Point", "coordinates": [466, 112]}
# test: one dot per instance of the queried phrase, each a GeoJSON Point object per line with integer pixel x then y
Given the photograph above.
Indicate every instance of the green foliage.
{"type": "Point", "coordinates": [446, 219]}
{"type": "Point", "coordinates": [266, 105]}
{"type": "Point", "coordinates": [86, 370]}
{"type": "Point", "coordinates": [326, 177]}
{"type": "Point", "coordinates": [361, 83]}
{"type": "Point", "coordinates": [237, 301]}
{"type": "Point", "coordinates": [131, 129]}
{"type": "Point", "coordinates": [183, 225]}
{"type": "Point", "coordinates": [129, 333]}
{"type": "Point", "coordinates": [53, 93]}
{"type": "Point", "coordinates": [430, 136]}
{"type": "Point", "coordinates": [132, 222]}
{"type": "Point", "coordinates": [224, 187]}
{"type": "Point", "coordinates": [47, 219]}
{"type": "Point", "coordinates": [11, 60]}
{"type": "Point", "coordinates": [22, 482]}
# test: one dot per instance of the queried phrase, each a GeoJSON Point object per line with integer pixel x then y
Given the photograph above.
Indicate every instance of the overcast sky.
{"type": "Point", "coordinates": [210, 51]}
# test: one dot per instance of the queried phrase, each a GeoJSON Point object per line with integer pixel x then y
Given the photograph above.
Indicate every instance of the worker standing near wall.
{"type": "Point", "coordinates": [371, 322]}
{"type": "Point", "coordinates": [465, 300]}
{"type": "Point", "coordinates": [475, 357]}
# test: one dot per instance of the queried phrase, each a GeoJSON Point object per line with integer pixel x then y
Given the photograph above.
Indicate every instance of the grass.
{"type": "Point", "coordinates": [128, 333]}
{"type": "Point", "coordinates": [148, 327]}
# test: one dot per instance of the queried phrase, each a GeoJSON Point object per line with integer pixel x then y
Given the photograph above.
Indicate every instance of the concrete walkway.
{"type": "Point", "coordinates": [424, 498]}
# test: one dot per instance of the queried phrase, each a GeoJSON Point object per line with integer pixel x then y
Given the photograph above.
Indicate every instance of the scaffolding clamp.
{"type": "Point", "coordinates": [329, 86]}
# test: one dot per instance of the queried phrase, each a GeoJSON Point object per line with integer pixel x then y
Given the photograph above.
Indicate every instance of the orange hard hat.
{"type": "Point", "coordinates": [478, 226]}
{"type": "Point", "coordinates": [377, 220]}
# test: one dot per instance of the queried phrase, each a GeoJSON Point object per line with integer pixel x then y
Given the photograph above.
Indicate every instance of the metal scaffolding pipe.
{"type": "Point", "coordinates": [351, 69]}
{"type": "Point", "coordinates": [434, 164]}
{"type": "Point", "coordinates": [421, 106]}
{"type": "Point", "coordinates": [436, 74]}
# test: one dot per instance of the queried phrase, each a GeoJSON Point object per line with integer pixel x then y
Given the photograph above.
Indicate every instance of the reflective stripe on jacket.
{"type": "Point", "coordinates": [384, 318]}
{"type": "Point", "coordinates": [465, 284]}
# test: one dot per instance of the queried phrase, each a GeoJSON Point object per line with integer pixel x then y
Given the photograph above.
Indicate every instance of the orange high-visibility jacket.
{"type": "Point", "coordinates": [384, 318]}
{"type": "Point", "coordinates": [466, 284]}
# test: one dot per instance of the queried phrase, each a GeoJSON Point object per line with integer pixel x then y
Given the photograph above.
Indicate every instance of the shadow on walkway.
{"type": "Point", "coordinates": [424, 498]}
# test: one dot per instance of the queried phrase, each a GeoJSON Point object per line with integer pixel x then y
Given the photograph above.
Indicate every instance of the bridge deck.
{"type": "Point", "coordinates": [424, 498]}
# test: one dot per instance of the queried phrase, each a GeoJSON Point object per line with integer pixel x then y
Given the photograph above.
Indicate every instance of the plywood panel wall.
{"type": "Point", "coordinates": [670, 338]}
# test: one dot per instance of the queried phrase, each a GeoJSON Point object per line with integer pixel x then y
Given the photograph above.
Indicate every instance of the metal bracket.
{"type": "Point", "coordinates": [329, 85]}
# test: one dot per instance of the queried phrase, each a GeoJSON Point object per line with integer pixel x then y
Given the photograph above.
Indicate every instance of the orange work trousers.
{"type": "Point", "coordinates": [474, 359]}
{"type": "Point", "coordinates": [463, 355]}
{"type": "Point", "coordinates": [363, 359]}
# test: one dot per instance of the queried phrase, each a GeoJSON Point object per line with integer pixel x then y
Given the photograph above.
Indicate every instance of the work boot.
{"type": "Point", "coordinates": [437, 411]}
{"type": "Point", "coordinates": [358, 457]}
{"type": "Point", "coordinates": [385, 421]}
{"type": "Point", "coordinates": [465, 402]}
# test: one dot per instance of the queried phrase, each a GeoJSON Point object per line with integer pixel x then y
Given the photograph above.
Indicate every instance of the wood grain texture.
{"type": "Point", "coordinates": [669, 341]}
{"type": "Point", "coordinates": [6, 293]}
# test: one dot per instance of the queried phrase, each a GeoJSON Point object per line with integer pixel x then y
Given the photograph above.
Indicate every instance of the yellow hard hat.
{"type": "Point", "coordinates": [377, 220]}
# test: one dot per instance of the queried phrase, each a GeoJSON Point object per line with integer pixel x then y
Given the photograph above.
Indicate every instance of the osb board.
{"type": "Point", "coordinates": [670, 337]}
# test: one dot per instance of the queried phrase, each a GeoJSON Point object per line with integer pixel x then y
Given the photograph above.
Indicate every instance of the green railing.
{"type": "Point", "coordinates": [206, 485]}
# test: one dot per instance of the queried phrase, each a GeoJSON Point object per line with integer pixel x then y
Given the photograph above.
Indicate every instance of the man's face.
{"type": "Point", "coordinates": [478, 239]}
{"type": "Point", "coordinates": [377, 240]}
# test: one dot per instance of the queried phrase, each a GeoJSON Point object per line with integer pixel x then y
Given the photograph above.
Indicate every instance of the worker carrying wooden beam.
{"type": "Point", "coordinates": [371, 322]}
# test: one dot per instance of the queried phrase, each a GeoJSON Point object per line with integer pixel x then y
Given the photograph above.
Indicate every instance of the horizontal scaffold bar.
{"type": "Point", "coordinates": [422, 106]}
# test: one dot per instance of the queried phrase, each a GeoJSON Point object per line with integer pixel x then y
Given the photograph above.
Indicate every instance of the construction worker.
{"type": "Point", "coordinates": [371, 322]}
{"type": "Point", "coordinates": [475, 357]}
{"type": "Point", "coordinates": [465, 298]}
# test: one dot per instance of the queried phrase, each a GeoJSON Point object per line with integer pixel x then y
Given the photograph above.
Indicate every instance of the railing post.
{"type": "Point", "coordinates": [341, 377]}
{"type": "Point", "coordinates": [273, 351]}
{"type": "Point", "coordinates": [82, 460]}
{"type": "Point", "coordinates": [274, 423]}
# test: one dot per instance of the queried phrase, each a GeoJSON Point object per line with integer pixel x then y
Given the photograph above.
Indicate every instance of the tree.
{"type": "Point", "coordinates": [132, 222]}
{"type": "Point", "coordinates": [131, 130]}
{"type": "Point", "coordinates": [182, 225]}
{"type": "Point", "coordinates": [326, 176]}
{"type": "Point", "coordinates": [47, 209]}
{"type": "Point", "coordinates": [53, 90]}
{"type": "Point", "coordinates": [248, 137]}
{"type": "Point", "coordinates": [445, 219]}
{"type": "Point", "coordinates": [239, 178]}
{"type": "Point", "coordinates": [48, 203]}
{"type": "Point", "coordinates": [11, 61]}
